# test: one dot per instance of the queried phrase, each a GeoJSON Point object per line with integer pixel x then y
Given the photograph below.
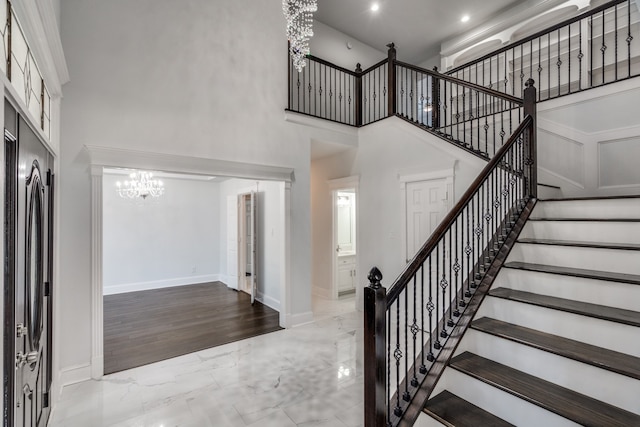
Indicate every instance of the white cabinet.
{"type": "Point", "coordinates": [346, 273]}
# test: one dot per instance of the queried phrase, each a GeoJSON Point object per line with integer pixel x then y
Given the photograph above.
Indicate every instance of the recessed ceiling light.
{"type": "Point", "coordinates": [375, 7]}
{"type": "Point", "coordinates": [465, 18]}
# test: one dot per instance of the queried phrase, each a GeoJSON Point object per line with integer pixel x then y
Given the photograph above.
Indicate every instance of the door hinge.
{"type": "Point", "coordinates": [45, 399]}
{"type": "Point", "coordinates": [48, 177]}
{"type": "Point", "coordinates": [47, 289]}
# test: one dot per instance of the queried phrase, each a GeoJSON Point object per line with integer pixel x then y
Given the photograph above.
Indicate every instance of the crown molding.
{"type": "Point", "coordinates": [133, 159]}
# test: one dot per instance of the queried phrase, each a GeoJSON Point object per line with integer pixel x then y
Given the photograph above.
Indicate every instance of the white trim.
{"type": "Point", "coordinates": [321, 292]}
{"type": "Point", "coordinates": [134, 159]}
{"type": "Point", "coordinates": [300, 319]}
{"type": "Point", "coordinates": [428, 176]}
{"type": "Point", "coordinates": [97, 315]}
{"type": "Point", "coordinates": [268, 301]}
{"type": "Point", "coordinates": [159, 284]}
{"type": "Point", "coordinates": [74, 374]}
{"type": "Point", "coordinates": [285, 266]}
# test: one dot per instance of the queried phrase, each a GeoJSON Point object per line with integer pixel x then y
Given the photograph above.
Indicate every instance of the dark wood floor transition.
{"type": "Point", "coordinates": [149, 326]}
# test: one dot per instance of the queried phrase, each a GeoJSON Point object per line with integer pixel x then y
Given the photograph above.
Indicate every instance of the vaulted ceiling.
{"type": "Point", "coordinates": [417, 27]}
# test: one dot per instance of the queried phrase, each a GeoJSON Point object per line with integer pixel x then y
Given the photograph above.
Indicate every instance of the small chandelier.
{"type": "Point", "coordinates": [140, 184]}
{"type": "Point", "coordinates": [299, 16]}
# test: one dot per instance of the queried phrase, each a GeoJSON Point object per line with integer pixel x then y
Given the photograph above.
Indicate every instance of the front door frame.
{"type": "Point", "coordinates": [101, 158]}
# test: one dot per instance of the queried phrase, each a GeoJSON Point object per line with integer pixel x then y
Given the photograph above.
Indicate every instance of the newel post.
{"type": "Point", "coordinates": [435, 100]}
{"type": "Point", "coordinates": [358, 95]}
{"type": "Point", "coordinates": [532, 149]}
{"type": "Point", "coordinates": [391, 83]}
{"type": "Point", "coordinates": [375, 359]}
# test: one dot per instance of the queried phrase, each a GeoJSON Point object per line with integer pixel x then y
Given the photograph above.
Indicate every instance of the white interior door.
{"type": "Point", "coordinates": [426, 206]}
{"type": "Point", "coordinates": [232, 242]}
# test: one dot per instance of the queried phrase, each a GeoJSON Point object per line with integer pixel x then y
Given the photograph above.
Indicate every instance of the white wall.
{"type": "Point", "coordinates": [331, 45]}
{"type": "Point", "coordinates": [387, 149]}
{"type": "Point", "coordinates": [588, 143]}
{"type": "Point", "coordinates": [196, 78]}
{"type": "Point", "coordinates": [168, 241]}
{"type": "Point", "coordinates": [269, 234]}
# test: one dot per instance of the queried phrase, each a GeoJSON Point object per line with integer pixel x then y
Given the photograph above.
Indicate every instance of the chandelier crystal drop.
{"type": "Point", "coordinates": [140, 184]}
{"type": "Point", "coordinates": [299, 16]}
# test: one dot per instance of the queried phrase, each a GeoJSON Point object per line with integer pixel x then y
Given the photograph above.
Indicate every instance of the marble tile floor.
{"type": "Point", "coordinates": [310, 375]}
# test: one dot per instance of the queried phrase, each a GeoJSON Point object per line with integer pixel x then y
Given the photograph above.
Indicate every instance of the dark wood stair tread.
{"type": "Point", "coordinates": [612, 314]}
{"type": "Point", "coordinates": [576, 272]}
{"type": "Point", "coordinates": [581, 244]}
{"type": "Point", "coordinates": [458, 412]}
{"type": "Point", "coordinates": [554, 398]}
{"type": "Point", "coordinates": [613, 361]}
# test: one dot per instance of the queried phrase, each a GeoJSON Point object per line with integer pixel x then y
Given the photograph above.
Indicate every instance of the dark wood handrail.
{"type": "Point", "coordinates": [374, 66]}
{"type": "Point", "coordinates": [538, 34]}
{"type": "Point", "coordinates": [465, 83]}
{"type": "Point", "coordinates": [416, 263]}
{"type": "Point", "coordinates": [329, 64]}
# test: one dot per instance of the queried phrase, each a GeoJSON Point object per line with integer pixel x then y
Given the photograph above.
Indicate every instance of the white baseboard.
{"type": "Point", "coordinates": [158, 284]}
{"type": "Point", "coordinates": [300, 319]}
{"type": "Point", "coordinates": [322, 292]}
{"type": "Point", "coordinates": [268, 301]}
{"type": "Point", "coordinates": [74, 374]}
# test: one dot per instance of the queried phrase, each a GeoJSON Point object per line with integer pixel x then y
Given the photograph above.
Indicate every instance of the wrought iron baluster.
{"type": "Point", "coordinates": [591, 51]}
{"type": "Point", "coordinates": [559, 63]}
{"type": "Point", "coordinates": [444, 284]}
{"type": "Point", "coordinates": [604, 46]}
{"type": "Point", "coordinates": [437, 345]}
{"type": "Point", "coordinates": [456, 269]}
{"type": "Point", "coordinates": [451, 284]}
{"type": "Point", "coordinates": [629, 38]}
{"type": "Point", "coordinates": [397, 354]}
{"type": "Point", "coordinates": [406, 396]}
{"type": "Point", "coordinates": [414, 331]}
{"type": "Point", "coordinates": [569, 59]}
{"type": "Point", "coordinates": [430, 307]}
{"type": "Point", "coordinates": [423, 368]}
{"type": "Point", "coordinates": [615, 49]}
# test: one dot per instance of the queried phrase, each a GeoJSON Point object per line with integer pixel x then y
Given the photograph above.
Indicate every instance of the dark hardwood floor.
{"type": "Point", "coordinates": [149, 326]}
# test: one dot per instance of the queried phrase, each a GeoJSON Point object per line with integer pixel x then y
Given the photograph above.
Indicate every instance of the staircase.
{"type": "Point", "coordinates": [557, 340]}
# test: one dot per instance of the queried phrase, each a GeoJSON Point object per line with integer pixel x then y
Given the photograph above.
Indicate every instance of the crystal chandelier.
{"type": "Point", "coordinates": [140, 184]}
{"type": "Point", "coordinates": [299, 16]}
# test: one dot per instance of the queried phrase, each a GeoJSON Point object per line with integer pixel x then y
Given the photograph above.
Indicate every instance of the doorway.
{"type": "Point", "coordinates": [344, 249]}
{"type": "Point", "coordinates": [28, 236]}
{"type": "Point", "coordinates": [427, 199]}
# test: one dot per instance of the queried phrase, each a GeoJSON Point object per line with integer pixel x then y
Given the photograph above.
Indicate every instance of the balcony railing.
{"type": "Point", "coordinates": [474, 117]}
{"type": "Point", "coordinates": [598, 47]}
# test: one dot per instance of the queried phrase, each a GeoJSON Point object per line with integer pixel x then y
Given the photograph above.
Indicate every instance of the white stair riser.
{"type": "Point", "coordinates": [610, 294]}
{"type": "Point", "coordinates": [602, 208]}
{"type": "Point", "coordinates": [613, 260]}
{"type": "Point", "coordinates": [613, 388]}
{"type": "Point", "coordinates": [545, 192]}
{"type": "Point", "coordinates": [500, 403]}
{"type": "Point", "coordinates": [583, 231]}
{"type": "Point", "coordinates": [602, 333]}
{"type": "Point", "coordinates": [425, 420]}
